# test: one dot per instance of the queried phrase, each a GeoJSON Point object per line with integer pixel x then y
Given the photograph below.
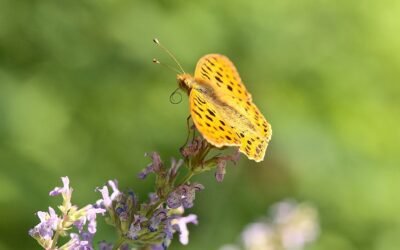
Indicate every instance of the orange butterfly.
{"type": "Point", "coordinates": [222, 109]}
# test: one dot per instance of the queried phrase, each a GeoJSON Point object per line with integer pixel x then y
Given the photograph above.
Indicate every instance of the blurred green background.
{"type": "Point", "coordinates": [80, 97]}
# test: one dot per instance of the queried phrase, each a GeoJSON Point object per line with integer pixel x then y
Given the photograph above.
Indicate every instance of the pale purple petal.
{"type": "Point", "coordinates": [80, 244]}
{"type": "Point", "coordinates": [114, 186]}
{"type": "Point", "coordinates": [182, 225]}
{"type": "Point", "coordinates": [80, 223]}
{"type": "Point", "coordinates": [107, 198]}
{"type": "Point", "coordinates": [106, 201]}
{"type": "Point", "coordinates": [91, 216]}
{"type": "Point", "coordinates": [48, 224]}
{"type": "Point", "coordinates": [65, 190]}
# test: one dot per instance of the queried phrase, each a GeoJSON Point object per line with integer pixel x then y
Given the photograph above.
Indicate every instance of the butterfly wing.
{"type": "Point", "coordinates": [222, 74]}
{"type": "Point", "coordinates": [210, 120]}
{"type": "Point", "coordinates": [223, 125]}
{"type": "Point", "coordinates": [226, 116]}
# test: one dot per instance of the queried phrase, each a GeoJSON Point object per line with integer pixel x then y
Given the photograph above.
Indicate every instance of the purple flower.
{"type": "Point", "coordinates": [65, 190]}
{"type": "Point", "coordinates": [221, 164]}
{"type": "Point", "coordinates": [173, 170]}
{"type": "Point", "coordinates": [168, 229]}
{"type": "Point", "coordinates": [194, 147]}
{"type": "Point", "coordinates": [158, 216]}
{"type": "Point", "coordinates": [66, 193]}
{"type": "Point", "coordinates": [154, 167]}
{"type": "Point", "coordinates": [183, 195]}
{"type": "Point", "coordinates": [103, 245]}
{"type": "Point", "coordinates": [80, 242]}
{"type": "Point", "coordinates": [180, 225]}
{"type": "Point", "coordinates": [136, 226]}
{"type": "Point", "coordinates": [48, 224]}
{"type": "Point", "coordinates": [122, 212]}
{"type": "Point", "coordinates": [158, 247]}
{"type": "Point", "coordinates": [174, 199]}
{"type": "Point", "coordinates": [91, 217]}
{"type": "Point", "coordinates": [107, 199]}
{"type": "Point", "coordinates": [153, 198]}
{"type": "Point", "coordinates": [220, 173]}
{"type": "Point", "coordinates": [88, 215]}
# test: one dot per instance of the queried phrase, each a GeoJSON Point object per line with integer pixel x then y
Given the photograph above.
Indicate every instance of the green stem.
{"type": "Point", "coordinates": [55, 239]}
{"type": "Point", "coordinates": [187, 178]}
{"type": "Point", "coordinates": [119, 243]}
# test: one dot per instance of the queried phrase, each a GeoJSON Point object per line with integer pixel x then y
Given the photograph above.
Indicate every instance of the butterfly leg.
{"type": "Point", "coordinates": [190, 129]}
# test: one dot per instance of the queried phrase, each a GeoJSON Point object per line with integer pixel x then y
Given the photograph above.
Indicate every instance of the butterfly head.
{"type": "Point", "coordinates": [185, 82]}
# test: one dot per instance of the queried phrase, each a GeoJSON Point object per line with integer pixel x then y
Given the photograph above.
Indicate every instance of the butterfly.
{"type": "Point", "coordinates": [222, 109]}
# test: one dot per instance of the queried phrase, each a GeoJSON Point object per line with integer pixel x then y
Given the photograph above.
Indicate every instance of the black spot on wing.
{"type": "Point", "coordinates": [218, 79]}
{"type": "Point", "coordinates": [208, 60]}
{"type": "Point", "coordinates": [197, 113]}
{"type": "Point", "coordinates": [199, 100]}
{"type": "Point", "coordinates": [211, 112]}
{"type": "Point", "coordinates": [205, 75]}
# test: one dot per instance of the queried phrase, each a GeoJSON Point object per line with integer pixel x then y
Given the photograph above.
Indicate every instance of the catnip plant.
{"type": "Point", "coordinates": [150, 224]}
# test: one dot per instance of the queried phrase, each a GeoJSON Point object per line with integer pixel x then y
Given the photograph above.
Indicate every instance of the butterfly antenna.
{"type": "Point", "coordinates": [166, 65]}
{"type": "Point", "coordinates": [155, 40]}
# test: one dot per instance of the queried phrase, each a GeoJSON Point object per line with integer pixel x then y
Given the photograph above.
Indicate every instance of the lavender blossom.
{"type": "Point", "coordinates": [184, 195]}
{"type": "Point", "coordinates": [159, 216]}
{"type": "Point", "coordinates": [194, 147]}
{"type": "Point", "coordinates": [83, 241]}
{"type": "Point", "coordinates": [44, 231]}
{"type": "Point", "coordinates": [154, 167]}
{"type": "Point", "coordinates": [150, 224]}
{"type": "Point", "coordinates": [66, 193]}
{"type": "Point", "coordinates": [173, 170]}
{"type": "Point", "coordinates": [136, 227]}
{"type": "Point", "coordinates": [107, 199]}
{"type": "Point", "coordinates": [52, 225]}
{"type": "Point", "coordinates": [180, 224]}
{"type": "Point", "coordinates": [103, 245]}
